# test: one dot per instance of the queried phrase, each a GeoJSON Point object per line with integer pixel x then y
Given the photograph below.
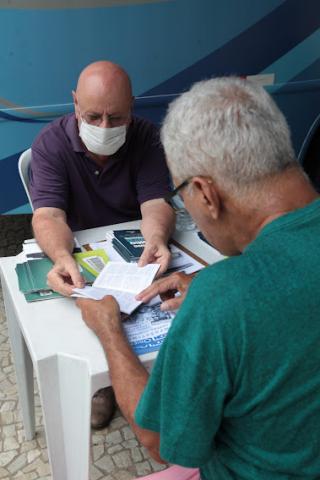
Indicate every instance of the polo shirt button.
{"type": "Point", "coordinates": [97, 172]}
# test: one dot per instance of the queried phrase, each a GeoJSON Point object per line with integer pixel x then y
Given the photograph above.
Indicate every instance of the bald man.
{"type": "Point", "coordinates": [98, 166]}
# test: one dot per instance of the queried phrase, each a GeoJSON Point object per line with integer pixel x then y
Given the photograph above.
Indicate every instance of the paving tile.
{"type": "Point", "coordinates": [122, 459]}
{"type": "Point", "coordinates": [136, 454]}
{"type": "Point", "coordinates": [97, 452]}
{"type": "Point", "coordinates": [127, 433]}
{"type": "Point", "coordinates": [114, 449]}
{"type": "Point", "coordinates": [7, 457]}
{"type": "Point", "coordinates": [124, 475]}
{"type": "Point", "coordinates": [95, 473]}
{"type": "Point", "coordinates": [130, 443]}
{"type": "Point", "coordinates": [3, 472]}
{"type": "Point", "coordinates": [143, 468]}
{"type": "Point", "coordinates": [10, 443]}
{"type": "Point", "coordinates": [105, 464]}
{"type": "Point", "coordinates": [18, 463]}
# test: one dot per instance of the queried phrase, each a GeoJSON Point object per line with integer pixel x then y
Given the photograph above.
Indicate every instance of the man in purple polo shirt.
{"type": "Point", "coordinates": [98, 166]}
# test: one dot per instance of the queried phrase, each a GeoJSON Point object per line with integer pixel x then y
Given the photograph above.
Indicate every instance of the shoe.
{"type": "Point", "coordinates": [103, 406]}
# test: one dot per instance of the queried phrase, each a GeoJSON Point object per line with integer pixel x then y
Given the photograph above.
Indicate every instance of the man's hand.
{"type": "Point", "coordinates": [156, 251]}
{"type": "Point", "coordinates": [65, 276]}
{"type": "Point", "coordinates": [167, 288]}
{"type": "Point", "coordinates": [100, 315]}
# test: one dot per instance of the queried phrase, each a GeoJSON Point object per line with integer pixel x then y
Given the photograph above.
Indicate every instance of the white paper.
{"type": "Point", "coordinates": [107, 246]}
{"type": "Point", "coordinates": [127, 277]}
{"type": "Point", "coordinates": [182, 262]}
{"type": "Point", "coordinates": [32, 251]}
{"type": "Point", "coordinates": [126, 301]}
{"type": "Point", "coordinates": [121, 280]}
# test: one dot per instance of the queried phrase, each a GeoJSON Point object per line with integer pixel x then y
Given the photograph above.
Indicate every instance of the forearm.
{"type": "Point", "coordinates": [158, 220]}
{"type": "Point", "coordinates": [128, 378]}
{"type": "Point", "coordinates": [53, 235]}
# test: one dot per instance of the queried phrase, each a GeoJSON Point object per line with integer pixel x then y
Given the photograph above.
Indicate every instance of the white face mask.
{"type": "Point", "coordinates": [100, 140]}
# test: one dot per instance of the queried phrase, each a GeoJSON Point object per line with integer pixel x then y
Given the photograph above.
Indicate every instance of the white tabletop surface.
{"type": "Point", "coordinates": [54, 326]}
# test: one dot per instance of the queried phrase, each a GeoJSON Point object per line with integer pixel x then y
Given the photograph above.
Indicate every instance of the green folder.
{"type": "Point", "coordinates": [32, 279]}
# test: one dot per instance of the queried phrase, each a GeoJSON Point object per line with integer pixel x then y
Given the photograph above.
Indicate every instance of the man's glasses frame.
{"type": "Point", "coordinates": [168, 198]}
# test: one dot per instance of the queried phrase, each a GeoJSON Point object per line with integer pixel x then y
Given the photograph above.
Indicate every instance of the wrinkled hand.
{"type": "Point", "coordinates": [65, 276]}
{"type": "Point", "coordinates": [100, 315]}
{"type": "Point", "coordinates": [156, 251]}
{"type": "Point", "coordinates": [167, 288]}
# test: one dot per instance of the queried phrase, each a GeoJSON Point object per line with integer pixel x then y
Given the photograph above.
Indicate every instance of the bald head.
{"type": "Point", "coordinates": [103, 88]}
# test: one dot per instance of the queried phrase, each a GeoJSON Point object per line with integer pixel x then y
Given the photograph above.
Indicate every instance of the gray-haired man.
{"type": "Point", "coordinates": [235, 389]}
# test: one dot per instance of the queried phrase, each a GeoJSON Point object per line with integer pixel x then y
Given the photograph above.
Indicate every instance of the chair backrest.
{"type": "Point", "coordinates": [309, 155]}
{"type": "Point", "coordinates": [24, 167]}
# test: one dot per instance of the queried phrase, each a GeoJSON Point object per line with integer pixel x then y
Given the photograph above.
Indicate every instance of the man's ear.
{"type": "Point", "coordinates": [208, 195]}
{"type": "Point", "coordinates": [75, 102]}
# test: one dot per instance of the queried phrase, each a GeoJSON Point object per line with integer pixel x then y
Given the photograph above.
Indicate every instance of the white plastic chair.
{"type": "Point", "coordinates": [24, 166]}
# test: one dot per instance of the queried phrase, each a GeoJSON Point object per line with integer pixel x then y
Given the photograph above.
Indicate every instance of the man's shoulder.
{"type": "Point", "coordinates": [219, 289]}
{"type": "Point", "coordinates": [222, 272]}
{"type": "Point", "coordinates": [54, 136]}
{"type": "Point", "coordinates": [142, 129]}
{"type": "Point", "coordinates": [143, 123]}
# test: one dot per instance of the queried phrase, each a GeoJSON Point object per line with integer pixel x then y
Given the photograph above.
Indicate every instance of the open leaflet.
{"type": "Point", "coordinates": [121, 280]}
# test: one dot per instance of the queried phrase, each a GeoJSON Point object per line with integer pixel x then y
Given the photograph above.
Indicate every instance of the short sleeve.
{"type": "Point", "coordinates": [153, 178]}
{"type": "Point", "coordinates": [188, 386]}
{"type": "Point", "coordinates": [48, 177]}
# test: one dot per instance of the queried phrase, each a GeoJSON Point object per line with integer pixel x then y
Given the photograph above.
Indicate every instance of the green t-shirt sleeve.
{"type": "Point", "coordinates": [184, 397]}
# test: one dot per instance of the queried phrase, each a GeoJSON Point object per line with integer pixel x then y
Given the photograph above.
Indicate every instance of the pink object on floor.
{"type": "Point", "coordinates": [174, 473]}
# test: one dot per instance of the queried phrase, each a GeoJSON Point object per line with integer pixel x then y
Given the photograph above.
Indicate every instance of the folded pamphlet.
{"type": "Point", "coordinates": [121, 280]}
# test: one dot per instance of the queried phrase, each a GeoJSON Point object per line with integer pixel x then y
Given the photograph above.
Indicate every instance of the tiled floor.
{"type": "Point", "coordinates": [116, 453]}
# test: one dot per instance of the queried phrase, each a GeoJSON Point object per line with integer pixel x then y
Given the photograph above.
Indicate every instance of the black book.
{"type": "Point", "coordinates": [129, 244]}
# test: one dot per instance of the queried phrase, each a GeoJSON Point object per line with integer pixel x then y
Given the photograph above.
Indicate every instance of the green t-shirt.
{"type": "Point", "coordinates": [235, 389]}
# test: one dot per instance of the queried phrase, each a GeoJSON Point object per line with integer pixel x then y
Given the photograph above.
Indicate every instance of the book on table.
{"type": "Point", "coordinates": [129, 244]}
{"type": "Point", "coordinates": [32, 273]}
{"type": "Point", "coordinates": [32, 279]}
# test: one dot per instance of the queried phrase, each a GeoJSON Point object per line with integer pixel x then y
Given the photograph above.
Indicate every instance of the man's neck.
{"type": "Point", "coordinates": [100, 160]}
{"type": "Point", "coordinates": [285, 193]}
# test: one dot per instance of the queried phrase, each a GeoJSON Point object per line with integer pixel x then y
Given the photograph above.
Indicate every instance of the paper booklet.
{"type": "Point", "coordinates": [121, 280]}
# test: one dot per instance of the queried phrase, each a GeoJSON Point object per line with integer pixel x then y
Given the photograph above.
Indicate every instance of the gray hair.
{"type": "Point", "coordinates": [229, 129]}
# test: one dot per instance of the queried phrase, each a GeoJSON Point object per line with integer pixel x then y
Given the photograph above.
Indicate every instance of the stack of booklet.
{"type": "Point", "coordinates": [32, 278]}
{"type": "Point", "coordinates": [32, 273]}
{"type": "Point", "coordinates": [129, 244]}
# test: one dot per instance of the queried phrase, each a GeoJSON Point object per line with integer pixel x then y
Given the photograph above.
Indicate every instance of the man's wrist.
{"type": "Point", "coordinates": [109, 327]}
{"type": "Point", "coordinates": [156, 239]}
{"type": "Point", "coordinates": [62, 255]}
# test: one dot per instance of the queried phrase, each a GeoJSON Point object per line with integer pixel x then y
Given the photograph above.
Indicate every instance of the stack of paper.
{"type": "Point", "coordinates": [121, 280]}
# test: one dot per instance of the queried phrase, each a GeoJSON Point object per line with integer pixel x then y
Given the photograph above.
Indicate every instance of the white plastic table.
{"type": "Point", "coordinates": [70, 365]}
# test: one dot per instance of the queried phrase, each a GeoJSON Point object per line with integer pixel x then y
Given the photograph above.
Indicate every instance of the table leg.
{"type": "Point", "coordinates": [23, 366]}
{"type": "Point", "coordinates": [65, 389]}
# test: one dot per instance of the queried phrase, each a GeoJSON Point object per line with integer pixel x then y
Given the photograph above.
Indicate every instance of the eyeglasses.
{"type": "Point", "coordinates": [97, 119]}
{"type": "Point", "coordinates": [170, 196]}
